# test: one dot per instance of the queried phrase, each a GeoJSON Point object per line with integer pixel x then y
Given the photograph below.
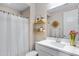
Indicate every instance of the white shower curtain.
{"type": "Point", "coordinates": [13, 35]}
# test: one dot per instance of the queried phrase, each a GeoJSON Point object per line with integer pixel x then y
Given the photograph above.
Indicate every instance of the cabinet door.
{"type": "Point", "coordinates": [48, 50]}
{"type": "Point", "coordinates": [62, 54]}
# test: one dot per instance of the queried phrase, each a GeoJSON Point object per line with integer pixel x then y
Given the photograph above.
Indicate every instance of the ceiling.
{"type": "Point", "coordinates": [64, 7]}
{"type": "Point", "coordinates": [23, 6]}
{"type": "Point", "coordinates": [17, 6]}
{"type": "Point", "coordinates": [52, 7]}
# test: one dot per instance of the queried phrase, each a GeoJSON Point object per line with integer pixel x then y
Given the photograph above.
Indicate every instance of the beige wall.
{"type": "Point", "coordinates": [26, 12]}
{"type": "Point", "coordinates": [36, 10]}
{"type": "Point", "coordinates": [32, 17]}
{"type": "Point", "coordinates": [41, 10]}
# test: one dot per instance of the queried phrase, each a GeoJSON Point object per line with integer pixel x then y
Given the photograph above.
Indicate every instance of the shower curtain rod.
{"type": "Point", "coordinates": [11, 13]}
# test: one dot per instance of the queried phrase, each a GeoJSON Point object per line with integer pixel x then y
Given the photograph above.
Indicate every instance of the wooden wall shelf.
{"type": "Point", "coordinates": [43, 21]}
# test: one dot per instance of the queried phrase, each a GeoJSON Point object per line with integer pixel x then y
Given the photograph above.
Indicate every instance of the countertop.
{"type": "Point", "coordinates": [61, 46]}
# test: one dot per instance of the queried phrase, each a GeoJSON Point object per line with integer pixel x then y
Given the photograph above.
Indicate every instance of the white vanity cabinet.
{"type": "Point", "coordinates": [52, 48]}
{"type": "Point", "coordinates": [46, 51]}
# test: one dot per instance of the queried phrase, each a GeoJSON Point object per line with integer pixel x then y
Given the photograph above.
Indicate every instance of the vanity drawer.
{"type": "Point", "coordinates": [48, 50]}
{"type": "Point", "coordinates": [42, 53]}
{"type": "Point", "coordinates": [63, 54]}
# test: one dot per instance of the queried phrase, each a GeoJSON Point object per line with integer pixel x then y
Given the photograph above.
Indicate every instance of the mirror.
{"type": "Point", "coordinates": [67, 16]}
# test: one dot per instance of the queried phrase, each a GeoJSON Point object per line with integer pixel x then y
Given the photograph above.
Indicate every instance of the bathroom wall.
{"type": "Point", "coordinates": [36, 10]}
{"type": "Point", "coordinates": [26, 12]}
{"type": "Point", "coordinates": [32, 17]}
{"type": "Point", "coordinates": [41, 11]}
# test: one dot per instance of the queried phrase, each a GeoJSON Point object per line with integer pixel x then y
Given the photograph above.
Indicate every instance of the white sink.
{"type": "Point", "coordinates": [57, 44]}
{"type": "Point", "coordinates": [54, 43]}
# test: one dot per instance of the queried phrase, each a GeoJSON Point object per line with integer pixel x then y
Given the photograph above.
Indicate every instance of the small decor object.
{"type": "Point", "coordinates": [72, 37]}
{"type": "Point", "coordinates": [39, 25]}
{"type": "Point", "coordinates": [55, 24]}
{"type": "Point", "coordinates": [40, 21]}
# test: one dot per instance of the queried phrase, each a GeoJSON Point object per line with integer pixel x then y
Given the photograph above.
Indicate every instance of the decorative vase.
{"type": "Point", "coordinates": [72, 39]}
